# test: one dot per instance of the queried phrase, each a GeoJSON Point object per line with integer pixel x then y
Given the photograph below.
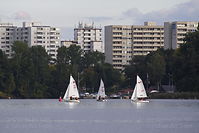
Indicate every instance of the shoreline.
{"type": "Point", "coordinates": [175, 95]}
{"type": "Point", "coordinates": [160, 95]}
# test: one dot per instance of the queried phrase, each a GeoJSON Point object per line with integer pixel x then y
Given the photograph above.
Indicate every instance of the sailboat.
{"type": "Point", "coordinates": [71, 94]}
{"type": "Point", "coordinates": [139, 93]}
{"type": "Point", "coordinates": [101, 92]}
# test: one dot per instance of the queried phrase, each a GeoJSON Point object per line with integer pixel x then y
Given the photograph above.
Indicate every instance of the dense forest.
{"type": "Point", "coordinates": [31, 73]}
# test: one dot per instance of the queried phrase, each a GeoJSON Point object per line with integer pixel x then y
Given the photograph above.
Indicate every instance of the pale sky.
{"type": "Point", "coordinates": [67, 13]}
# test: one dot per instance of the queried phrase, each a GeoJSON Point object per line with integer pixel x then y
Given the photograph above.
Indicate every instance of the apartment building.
{"type": "Point", "coordinates": [7, 31]}
{"type": "Point", "coordinates": [175, 32]}
{"type": "Point", "coordinates": [89, 38]}
{"type": "Point", "coordinates": [35, 34]}
{"type": "Point", "coordinates": [122, 42]}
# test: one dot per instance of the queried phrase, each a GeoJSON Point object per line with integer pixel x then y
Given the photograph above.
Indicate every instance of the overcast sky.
{"type": "Point", "coordinates": [67, 13]}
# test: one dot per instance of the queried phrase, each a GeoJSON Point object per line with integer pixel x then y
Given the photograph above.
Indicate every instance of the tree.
{"type": "Point", "coordinates": [67, 63]}
{"type": "Point", "coordinates": [137, 67]}
{"type": "Point", "coordinates": [169, 68]}
{"type": "Point", "coordinates": [187, 64]}
{"type": "Point", "coordinates": [4, 71]}
{"type": "Point", "coordinates": [74, 53]}
{"type": "Point", "coordinates": [10, 83]}
{"type": "Point", "coordinates": [40, 75]}
{"type": "Point", "coordinates": [92, 59]}
{"type": "Point", "coordinates": [62, 56]}
{"type": "Point", "coordinates": [156, 67]}
{"type": "Point", "coordinates": [90, 79]}
{"type": "Point", "coordinates": [112, 77]}
{"type": "Point", "coordinates": [30, 70]}
{"type": "Point", "coordinates": [19, 64]}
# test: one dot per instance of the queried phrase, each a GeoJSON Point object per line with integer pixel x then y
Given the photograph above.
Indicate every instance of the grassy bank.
{"type": "Point", "coordinates": [176, 95]}
{"type": "Point", "coordinates": [3, 95]}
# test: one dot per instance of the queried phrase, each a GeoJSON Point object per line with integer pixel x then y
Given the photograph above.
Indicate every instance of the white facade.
{"type": "Point", "coordinates": [86, 35]}
{"type": "Point", "coordinates": [97, 46]}
{"type": "Point", "coordinates": [68, 43]}
{"type": "Point", "coordinates": [7, 31]}
{"type": "Point", "coordinates": [34, 34]}
{"type": "Point", "coordinates": [122, 42]}
{"type": "Point", "coordinates": [175, 32]}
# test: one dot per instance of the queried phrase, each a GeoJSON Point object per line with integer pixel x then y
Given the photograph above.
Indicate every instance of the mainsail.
{"type": "Point", "coordinates": [71, 90]}
{"type": "Point", "coordinates": [139, 90]}
{"type": "Point", "coordinates": [101, 91]}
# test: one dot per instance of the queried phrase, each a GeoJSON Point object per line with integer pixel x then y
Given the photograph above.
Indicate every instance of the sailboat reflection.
{"type": "Point", "coordinates": [71, 105]}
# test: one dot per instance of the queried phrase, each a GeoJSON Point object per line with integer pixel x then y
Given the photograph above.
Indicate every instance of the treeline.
{"type": "Point", "coordinates": [31, 73]}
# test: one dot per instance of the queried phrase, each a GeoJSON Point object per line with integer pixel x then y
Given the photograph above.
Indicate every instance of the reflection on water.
{"type": "Point", "coordinates": [71, 105]}
{"type": "Point", "coordinates": [139, 105]}
{"type": "Point", "coordinates": [112, 116]}
{"type": "Point", "coordinates": [101, 105]}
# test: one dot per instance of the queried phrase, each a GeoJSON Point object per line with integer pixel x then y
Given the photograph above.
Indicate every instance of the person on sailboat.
{"type": "Point", "coordinates": [99, 98]}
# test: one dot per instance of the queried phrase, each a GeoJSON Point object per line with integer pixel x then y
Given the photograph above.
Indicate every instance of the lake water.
{"type": "Point", "coordinates": [90, 116]}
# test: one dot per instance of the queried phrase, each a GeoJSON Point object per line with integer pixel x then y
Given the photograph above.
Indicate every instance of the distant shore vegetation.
{"type": "Point", "coordinates": [31, 73]}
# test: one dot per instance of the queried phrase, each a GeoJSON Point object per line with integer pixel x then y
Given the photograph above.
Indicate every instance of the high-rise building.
{"type": "Point", "coordinates": [34, 34]}
{"type": "Point", "coordinates": [89, 38]}
{"type": "Point", "coordinates": [122, 42]}
{"type": "Point", "coordinates": [175, 32]}
{"type": "Point", "coordinates": [7, 31]}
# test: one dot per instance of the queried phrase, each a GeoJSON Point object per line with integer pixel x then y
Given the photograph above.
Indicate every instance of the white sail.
{"type": "Point", "coordinates": [66, 94]}
{"type": "Point", "coordinates": [134, 95]}
{"type": "Point", "coordinates": [71, 90]}
{"type": "Point", "coordinates": [141, 93]}
{"type": "Point", "coordinates": [101, 91]}
{"type": "Point", "coordinates": [139, 90]}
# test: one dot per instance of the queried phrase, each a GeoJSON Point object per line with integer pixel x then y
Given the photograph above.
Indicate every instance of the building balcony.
{"type": "Point", "coordinates": [116, 49]}
{"type": "Point", "coordinates": [117, 39]}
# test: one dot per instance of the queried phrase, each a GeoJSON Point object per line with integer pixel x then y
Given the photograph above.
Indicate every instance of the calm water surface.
{"type": "Point", "coordinates": [89, 116]}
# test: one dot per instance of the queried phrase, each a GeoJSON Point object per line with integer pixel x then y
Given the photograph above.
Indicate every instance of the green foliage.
{"type": "Point", "coordinates": [137, 66]}
{"type": "Point", "coordinates": [156, 67]}
{"type": "Point", "coordinates": [74, 53]}
{"type": "Point", "coordinates": [67, 63]}
{"type": "Point", "coordinates": [87, 69]}
{"type": "Point", "coordinates": [92, 59]}
{"type": "Point", "coordinates": [19, 48]}
{"type": "Point", "coordinates": [10, 84]}
{"type": "Point", "coordinates": [7, 84]}
{"type": "Point", "coordinates": [40, 75]}
{"type": "Point", "coordinates": [176, 95]}
{"type": "Point", "coordinates": [28, 67]}
{"type": "Point", "coordinates": [187, 64]}
{"type": "Point", "coordinates": [63, 57]}
{"type": "Point", "coordinates": [152, 65]}
{"type": "Point", "coordinates": [31, 75]}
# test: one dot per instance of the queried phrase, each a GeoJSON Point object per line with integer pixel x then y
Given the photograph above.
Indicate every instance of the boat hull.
{"type": "Point", "coordinates": [140, 101]}
{"type": "Point", "coordinates": [104, 100]}
{"type": "Point", "coordinates": [72, 101]}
